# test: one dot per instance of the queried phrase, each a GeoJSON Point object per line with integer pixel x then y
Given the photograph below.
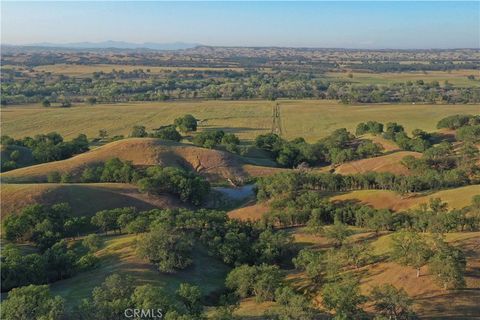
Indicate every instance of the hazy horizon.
{"type": "Point", "coordinates": [350, 25]}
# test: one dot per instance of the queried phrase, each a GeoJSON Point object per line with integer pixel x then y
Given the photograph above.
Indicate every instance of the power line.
{"type": "Point", "coordinates": [276, 120]}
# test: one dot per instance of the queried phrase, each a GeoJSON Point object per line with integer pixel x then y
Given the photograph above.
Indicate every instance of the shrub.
{"type": "Point", "coordinates": [86, 262]}
{"type": "Point", "coordinates": [186, 123]}
{"type": "Point", "coordinates": [167, 133]}
{"type": "Point", "coordinates": [92, 242]}
{"type": "Point", "coordinates": [53, 177]}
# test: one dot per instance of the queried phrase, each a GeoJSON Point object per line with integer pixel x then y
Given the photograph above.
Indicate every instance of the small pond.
{"type": "Point", "coordinates": [237, 193]}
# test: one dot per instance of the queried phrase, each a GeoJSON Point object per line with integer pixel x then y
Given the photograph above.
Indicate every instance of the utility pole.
{"type": "Point", "coordinates": [276, 120]}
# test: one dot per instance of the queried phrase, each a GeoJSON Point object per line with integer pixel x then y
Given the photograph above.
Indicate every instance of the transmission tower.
{"type": "Point", "coordinates": [276, 120]}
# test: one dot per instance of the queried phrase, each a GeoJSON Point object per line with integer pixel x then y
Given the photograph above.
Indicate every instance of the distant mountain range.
{"type": "Point", "coordinates": [116, 45]}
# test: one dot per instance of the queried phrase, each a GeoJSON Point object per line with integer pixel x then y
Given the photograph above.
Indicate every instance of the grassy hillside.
{"type": "Point", "coordinates": [430, 300]}
{"type": "Point", "coordinates": [388, 145]}
{"type": "Point", "coordinates": [118, 256]}
{"type": "Point", "coordinates": [386, 163]}
{"type": "Point", "coordinates": [311, 119]}
{"type": "Point", "coordinates": [456, 198]}
{"type": "Point", "coordinates": [380, 199]}
{"type": "Point", "coordinates": [213, 164]}
{"type": "Point", "coordinates": [251, 211]}
{"type": "Point", "coordinates": [85, 199]}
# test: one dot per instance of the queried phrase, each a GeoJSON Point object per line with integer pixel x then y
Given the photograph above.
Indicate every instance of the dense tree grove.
{"type": "Point", "coordinates": [467, 126]}
{"type": "Point", "coordinates": [167, 247]}
{"type": "Point", "coordinates": [444, 166]}
{"type": "Point", "coordinates": [259, 281]}
{"type": "Point", "coordinates": [309, 208]}
{"type": "Point", "coordinates": [42, 225]}
{"type": "Point", "coordinates": [45, 148]}
{"type": "Point", "coordinates": [112, 220]}
{"type": "Point", "coordinates": [167, 133]}
{"type": "Point", "coordinates": [113, 170]}
{"type": "Point", "coordinates": [118, 293]}
{"type": "Point", "coordinates": [33, 302]}
{"type": "Point", "coordinates": [188, 186]}
{"type": "Point", "coordinates": [55, 263]}
{"type": "Point", "coordinates": [420, 140]}
{"type": "Point", "coordinates": [212, 139]}
{"type": "Point", "coordinates": [297, 182]}
{"type": "Point", "coordinates": [339, 147]}
{"type": "Point", "coordinates": [458, 121]}
{"type": "Point", "coordinates": [233, 241]}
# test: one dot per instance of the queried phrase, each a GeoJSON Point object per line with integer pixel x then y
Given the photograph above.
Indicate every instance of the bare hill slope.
{"type": "Point", "coordinates": [85, 199]}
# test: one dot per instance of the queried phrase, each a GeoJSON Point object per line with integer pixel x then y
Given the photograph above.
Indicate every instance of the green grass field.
{"type": "Point", "coordinates": [311, 119]}
{"type": "Point", "coordinates": [118, 256]}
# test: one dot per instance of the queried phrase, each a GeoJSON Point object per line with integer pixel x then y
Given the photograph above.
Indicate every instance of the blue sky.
{"type": "Point", "coordinates": [300, 24]}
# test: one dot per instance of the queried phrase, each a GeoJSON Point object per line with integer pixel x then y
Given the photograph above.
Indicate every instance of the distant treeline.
{"type": "Point", "coordinates": [143, 85]}
{"type": "Point", "coordinates": [402, 67]}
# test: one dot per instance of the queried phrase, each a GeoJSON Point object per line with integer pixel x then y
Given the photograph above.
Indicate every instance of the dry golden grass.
{"type": "Point", "coordinates": [386, 163]}
{"type": "Point", "coordinates": [388, 145]}
{"type": "Point", "coordinates": [385, 199]}
{"type": "Point", "coordinates": [261, 171]}
{"type": "Point", "coordinates": [85, 199]}
{"type": "Point", "coordinates": [249, 309]}
{"type": "Point", "coordinates": [311, 119]}
{"type": "Point", "coordinates": [252, 211]}
{"type": "Point", "coordinates": [213, 164]}
{"type": "Point", "coordinates": [431, 301]}
{"type": "Point", "coordinates": [454, 77]}
{"type": "Point", "coordinates": [81, 70]}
